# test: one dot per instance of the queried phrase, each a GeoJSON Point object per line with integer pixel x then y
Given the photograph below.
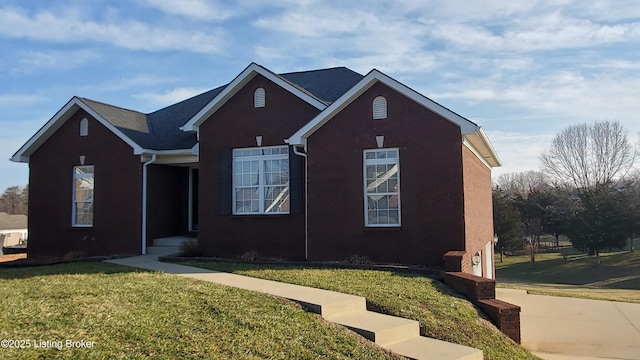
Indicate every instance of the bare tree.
{"type": "Point", "coordinates": [522, 183]}
{"type": "Point", "coordinates": [589, 155]}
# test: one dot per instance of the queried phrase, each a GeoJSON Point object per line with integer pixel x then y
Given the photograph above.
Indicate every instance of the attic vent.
{"type": "Point", "coordinates": [258, 98]}
{"type": "Point", "coordinates": [84, 127]}
{"type": "Point", "coordinates": [380, 108]}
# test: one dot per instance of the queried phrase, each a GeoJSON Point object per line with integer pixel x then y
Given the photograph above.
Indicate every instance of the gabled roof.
{"type": "Point", "coordinates": [318, 88]}
{"type": "Point", "coordinates": [11, 222]}
{"type": "Point", "coordinates": [161, 130]}
{"type": "Point", "coordinates": [171, 129]}
{"type": "Point", "coordinates": [468, 128]}
{"type": "Point", "coordinates": [76, 103]}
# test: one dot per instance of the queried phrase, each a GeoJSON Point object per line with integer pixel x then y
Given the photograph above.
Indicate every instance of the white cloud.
{"type": "Point", "coordinates": [72, 27]}
{"type": "Point", "coordinates": [195, 9]}
{"type": "Point", "coordinates": [33, 61]}
{"type": "Point", "coordinates": [169, 97]}
{"type": "Point", "coordinates": [14, 100]}
{"type": "Point", "coordinates": [13, 134]}
{"type": "Point", "coordinates": [548, 32]}
{"type": "Point", "coordinates": [518, 151]}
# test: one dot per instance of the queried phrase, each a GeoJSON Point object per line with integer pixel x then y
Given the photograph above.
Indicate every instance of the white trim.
{"type": "Point", "coordinates": [261, 179]}
{"type": "Point", "coordinates": [144, 202]}
{"type": "Point", "coordinates": [64, 114]}
{"type": "Point", "coordinates": [74, 201]}
{"type": "Point", "coordinates": [466, 127]}
{"type": "Point", "coordinates": [475, 152]}
{"type": "Point", "coordinates": [379, 107]}
{"type": "Point", "coordinates": [374, 76]}
{"type": "Point", "coordinates": [240, 81]}
{"type": "Point", "coordinates": [84, 127]}
{"type": "Point", "coordinates": [383, 161]}
{"type": "Point", "coordinates": [259, 98]}
{"type": "Point", "coordinates": [306, 202]}
{"type": "Point", "coordinates": [190, 202]}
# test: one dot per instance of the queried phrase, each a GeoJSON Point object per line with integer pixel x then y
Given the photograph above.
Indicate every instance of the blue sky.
{"type": "Point", "coordinates": [523, 70]}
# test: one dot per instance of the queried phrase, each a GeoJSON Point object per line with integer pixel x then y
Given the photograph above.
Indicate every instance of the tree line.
{"type": "Point", "coordinates": [587, 189]}
{"type": "Point", "coordinates": [15, 200]}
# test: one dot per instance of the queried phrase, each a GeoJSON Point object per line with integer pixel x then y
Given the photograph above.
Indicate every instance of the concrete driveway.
{"type": "Point", "coordinates": [559, 328]}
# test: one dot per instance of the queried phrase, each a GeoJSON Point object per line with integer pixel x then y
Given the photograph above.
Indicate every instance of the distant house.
{"type": "Point", "coordinates": [13, 229]}
{"type": "Point", "coordinates": [314, 165]}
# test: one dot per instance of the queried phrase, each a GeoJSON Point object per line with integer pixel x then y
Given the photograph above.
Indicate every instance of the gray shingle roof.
{"type": "Point", "coordinates": [9, 222]}
{"type": "Point", "coordinates": [160, 130]}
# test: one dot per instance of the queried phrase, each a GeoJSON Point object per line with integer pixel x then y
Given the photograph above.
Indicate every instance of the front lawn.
{"type": "Point", "coordinates": [616, 278]}
{"type": "Point", "coordinates": [442, 313]}
{"type": "Point", "coordinates": [130, 314]}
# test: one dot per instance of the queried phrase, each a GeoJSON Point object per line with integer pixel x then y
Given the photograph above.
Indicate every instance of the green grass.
{"type": "Point", "coordinates": [139, 315]}
{"type": "Point", "coordinates": [442, 313]}
{"type": "Point", "coordinates": [616, 278]}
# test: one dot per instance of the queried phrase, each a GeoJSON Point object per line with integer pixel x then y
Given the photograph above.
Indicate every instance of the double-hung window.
{"type": "Point", "coordinates": [261, 180]}
{"type": "Point", "coordinates": [83, 189]}
{"type": "Point", "coordinates": [381, 188]}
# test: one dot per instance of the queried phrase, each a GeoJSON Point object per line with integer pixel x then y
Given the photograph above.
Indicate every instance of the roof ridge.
{"type": "Point", "coordinates": [314, 70]}
{"type": "Point", "coordinates": [111, 105]}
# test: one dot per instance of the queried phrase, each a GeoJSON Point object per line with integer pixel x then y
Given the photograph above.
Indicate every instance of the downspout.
{"type": "Point", "coordinates": [306, 203]}
{"type": "Point", "coordinates": [144, 203]}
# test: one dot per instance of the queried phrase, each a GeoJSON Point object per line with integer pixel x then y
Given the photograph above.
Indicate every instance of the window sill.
{"type": "Point", "coordinates": [383, 228]}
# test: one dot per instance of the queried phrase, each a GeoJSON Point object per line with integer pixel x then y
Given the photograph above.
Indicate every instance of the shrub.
{"type": "Point", "coordinates": [251, 256]}
{"type": "Point", "coordinates": [190, 248]}
{"type": "Point", "coordinates": [74, 255]}
{"type": "Point", "coordinates": [358, 260]}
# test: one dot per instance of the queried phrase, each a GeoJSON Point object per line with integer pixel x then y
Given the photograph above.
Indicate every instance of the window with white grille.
{"type": "Point", "coordinates": [261, 180]}
{"type": "Point", "coordinates": [82, 211]}
{"type": "Point", "coordinates": [380, 108]}
{"type": "Point", "coordinates": [381, 188]}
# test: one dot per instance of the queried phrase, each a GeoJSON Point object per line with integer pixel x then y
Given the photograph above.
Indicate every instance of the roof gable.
{"type": "Point", "coordinates": [22, 155]}
{"type": "Point", "coordinates": [240, 81]}
{"type": "Point", "coordinates": [467, 127]}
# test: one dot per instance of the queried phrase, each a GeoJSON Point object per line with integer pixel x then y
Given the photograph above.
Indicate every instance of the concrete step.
{"type": "Point", "coordinates": [399, 335]}
{"type": "Point", "coordinates": [162, 250]}
{"type": "Point", "coordinates": [174, 241]}
{"type": "Point", "coordinates": [424, 348]}
{"type": "Point", "coordinates": [380, 328]}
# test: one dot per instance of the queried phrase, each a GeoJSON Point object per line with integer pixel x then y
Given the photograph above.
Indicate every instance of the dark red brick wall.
{"type": "Point", "coordinates": [236, 125]}
{"type": "Point", "coordinates": [167, 201]}
{"type": "Point", "coordinates": [504, 315]}
{"type": "Point", "coordinates": [430, 182]}
{"type": "Point", "coordinates": [473, 287]}
{"type": "Point", "coordinates": [482, 292]}
{"type": "Point", "coordinates": [478, 212]}
{"type": "Point", "coordinates": [118, 193]}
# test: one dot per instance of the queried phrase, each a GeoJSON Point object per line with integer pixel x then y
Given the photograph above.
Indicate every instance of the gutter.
{"type": "Point", "coordinates": [306, 206]}
{"type": "Point", "coordinates": [144, 202]}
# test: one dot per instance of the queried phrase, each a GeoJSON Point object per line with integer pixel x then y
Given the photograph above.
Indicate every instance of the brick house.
{"type": "Point", "coordinates": [315, 165]}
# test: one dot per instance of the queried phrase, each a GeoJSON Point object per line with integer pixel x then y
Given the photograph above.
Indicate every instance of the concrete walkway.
{"type": "Point", "coordinates": [561, 328]}
{"type": "Point", "coordinates": [399, 335]}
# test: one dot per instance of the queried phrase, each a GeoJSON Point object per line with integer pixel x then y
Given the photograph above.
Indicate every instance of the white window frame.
{"type": "Point", "coordinates": [259, 98]}
{"type": "Point", "coordinates": [384, 161]}
{"type": "Point", "coordinates": [84, 127]}
{"type": "Point", "coordinates": [379, 106]}
{"type": "Point", "coordinates": [261, 178]}
{"type": "Point", "coordinates": [74, 201]}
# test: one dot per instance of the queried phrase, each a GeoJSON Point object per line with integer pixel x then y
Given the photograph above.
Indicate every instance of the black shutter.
{"type": "Point", "coordinates": [296, 186]}
{"type": "Point", "coordinates": [226, 188]}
